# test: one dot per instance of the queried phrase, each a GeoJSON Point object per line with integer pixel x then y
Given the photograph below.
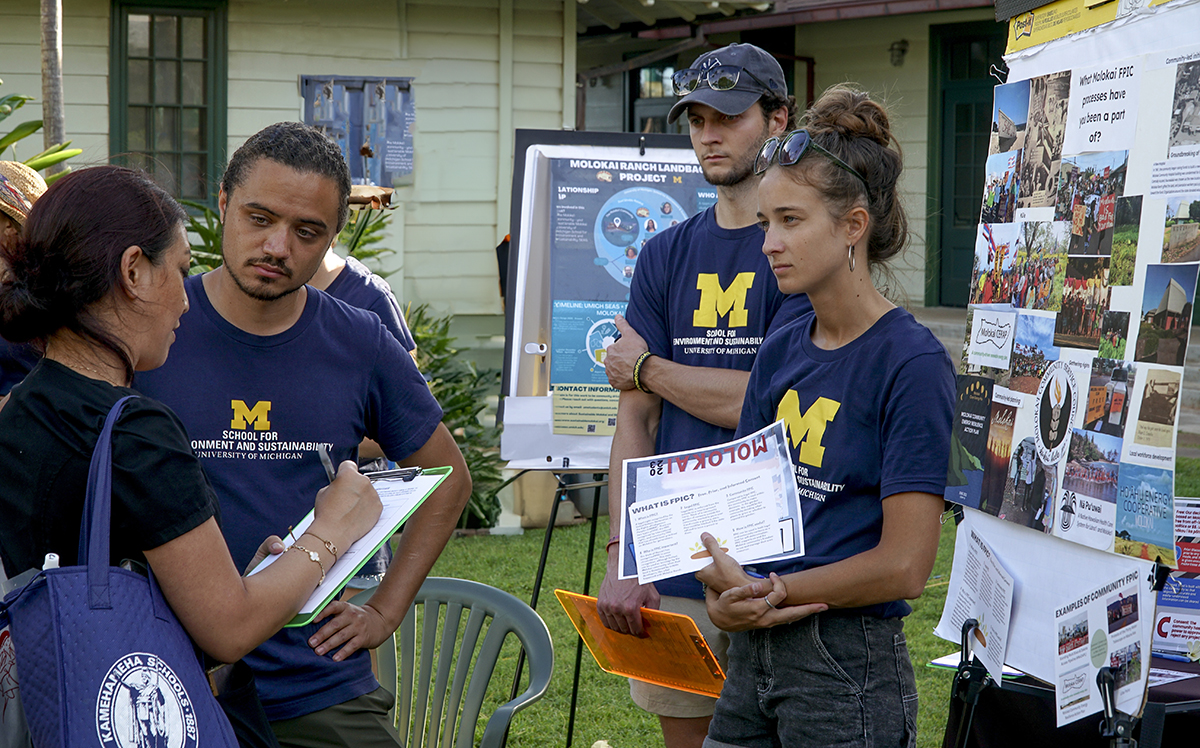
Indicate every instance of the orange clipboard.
{"type": "Point", "coordinates": [674, 654]}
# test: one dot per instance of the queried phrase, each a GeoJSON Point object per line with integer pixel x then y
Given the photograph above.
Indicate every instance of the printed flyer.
{"type": "Point", "coordinates": [1084, 279]}
{"type": "Point", "coordinates": [1177, 619]}
{"type": "Point", "coordinates": [742, 492]}
{"type": "Point", "coordinates": [983, 591]}
{"type": "Point", "coordinates": [1100, 629]}
{"type": "Point", "coordinates": [602, 214]}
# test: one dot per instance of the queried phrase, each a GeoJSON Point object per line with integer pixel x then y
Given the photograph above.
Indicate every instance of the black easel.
{"type": "Point", "coordinates": [560, 495]}
{"type": "Point", "coordinates": [972, 678]}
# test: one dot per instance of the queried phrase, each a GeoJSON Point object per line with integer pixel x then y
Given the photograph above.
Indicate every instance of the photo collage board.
{"type": "Point", "coordinates": [1084, 279]}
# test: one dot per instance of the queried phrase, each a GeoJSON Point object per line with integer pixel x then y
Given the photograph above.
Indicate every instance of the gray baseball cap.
{"type": "Point", "coordinates": [751, 59]}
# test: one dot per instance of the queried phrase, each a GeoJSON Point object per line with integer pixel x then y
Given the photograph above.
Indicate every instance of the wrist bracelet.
{"type": "Point", "coordinates": [613, 540]}
{"type": "Point", "coordinates": [328, 546]}
{"type": "Point", "coordinates": [312, 556]}
{"type": "Point", "coordinates": [637, 372]}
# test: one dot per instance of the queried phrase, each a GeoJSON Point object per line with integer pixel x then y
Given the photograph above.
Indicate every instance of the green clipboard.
{"type": "Point", "coordinates": [401, 496]}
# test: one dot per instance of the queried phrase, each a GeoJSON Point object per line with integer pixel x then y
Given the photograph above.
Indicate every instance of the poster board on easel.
{"type": "Point", "coordinates": [1085, 277]}
{"type": "Point", "coordinates": [584, 203]}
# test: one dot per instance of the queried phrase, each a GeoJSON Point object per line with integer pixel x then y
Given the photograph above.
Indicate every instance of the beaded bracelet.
{"type": "Point", "coordinates": [637, 372]}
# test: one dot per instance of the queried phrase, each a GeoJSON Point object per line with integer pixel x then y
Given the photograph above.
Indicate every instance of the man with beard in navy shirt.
{"type": "Point", "coordinates": [265, 369]}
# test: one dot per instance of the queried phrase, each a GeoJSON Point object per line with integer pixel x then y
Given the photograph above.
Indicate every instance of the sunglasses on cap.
{"type": "Point", "coordinates": [718, 78]}
{"type": "Point", "coordinates": [790, 148]}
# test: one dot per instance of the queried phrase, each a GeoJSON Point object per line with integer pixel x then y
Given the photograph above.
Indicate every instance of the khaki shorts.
{"type": "Point", "coordinates": [357, 723]}
{"type": "Point", "coordinates": [667, 702]}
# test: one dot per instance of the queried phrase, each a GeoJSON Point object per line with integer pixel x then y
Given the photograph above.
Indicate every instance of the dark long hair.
{"type": "Point", "coordinates": [68, 256]}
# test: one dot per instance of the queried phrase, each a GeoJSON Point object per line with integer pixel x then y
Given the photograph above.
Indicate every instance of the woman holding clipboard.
{"type": "Point", "coordinates": [867, 393]}
{"type": "Point", "coordinates": [96, 283]}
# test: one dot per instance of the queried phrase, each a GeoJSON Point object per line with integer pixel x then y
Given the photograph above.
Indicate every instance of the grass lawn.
{"type": "Point", "coordinates": [605, 711]}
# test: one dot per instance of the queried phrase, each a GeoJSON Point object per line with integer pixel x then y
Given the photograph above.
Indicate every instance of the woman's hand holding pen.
{"type": "Point", "coordinates": [347, 508]}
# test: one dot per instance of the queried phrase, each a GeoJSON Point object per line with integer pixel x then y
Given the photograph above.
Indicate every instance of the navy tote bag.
{"type": "Point", "coordinates": [102, 659]}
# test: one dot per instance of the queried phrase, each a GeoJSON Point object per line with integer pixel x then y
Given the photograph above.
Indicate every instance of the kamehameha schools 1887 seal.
{"type": "Point", "coordinates": [1054, 412]}
{"type": "Point", "coordinates": [143, 704]}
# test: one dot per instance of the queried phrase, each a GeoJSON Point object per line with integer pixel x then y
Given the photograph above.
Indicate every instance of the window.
{"type": "Point", "coordinates": [167, 95]}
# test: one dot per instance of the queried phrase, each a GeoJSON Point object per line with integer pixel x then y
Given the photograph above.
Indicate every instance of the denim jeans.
{"type": "Point", "coordinates": [832, 679]}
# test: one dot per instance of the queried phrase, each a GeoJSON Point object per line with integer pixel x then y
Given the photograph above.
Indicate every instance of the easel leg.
{"type": "Point", "coordinates": [537, 582]}
{"type": "Point", "coordinates": [587, 585]}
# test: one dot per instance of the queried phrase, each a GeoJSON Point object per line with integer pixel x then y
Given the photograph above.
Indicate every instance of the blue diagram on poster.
{"type": "Point", "coordinates": [602, 214]}
{"type": "Point", "coordinates": [588, 328]}
{"type": "Point", "coordinates": [626, 222]}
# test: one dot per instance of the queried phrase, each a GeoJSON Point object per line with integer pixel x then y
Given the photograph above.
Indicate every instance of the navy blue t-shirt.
{"type": "Point", "coordinates": [16, 361]}
{"type": "Point", "coordinates": [255, 409]}
{"type": "Point", "coordinates": [704, 296]}
{"type": "Point", "coordinates": [358, 286]}
{"type": "Point", "coordinates": [865, 421]}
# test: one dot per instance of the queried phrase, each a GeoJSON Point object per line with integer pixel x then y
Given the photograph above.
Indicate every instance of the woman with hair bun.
{"type": "Point", "coordinates": [96, 283]}
{"type": "Point", "coordinates": [866, 393]}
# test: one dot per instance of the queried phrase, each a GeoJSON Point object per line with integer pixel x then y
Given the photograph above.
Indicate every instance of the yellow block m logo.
{"type": "Point", "coordinates": [808, 427]}
{"type": "Point", "coordinates": [717, 302]}
{"type": "Point", "coordinates": [243, 416]}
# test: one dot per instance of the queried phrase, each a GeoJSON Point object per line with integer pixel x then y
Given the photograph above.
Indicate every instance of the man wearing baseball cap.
{"type": "Point", "coordinates": [20, 187]}
{"type": "Point", "coordinates": [706, 278]}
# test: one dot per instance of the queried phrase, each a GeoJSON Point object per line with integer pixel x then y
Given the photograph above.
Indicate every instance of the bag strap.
{"type": "Point", "coordinates": [95, 531]}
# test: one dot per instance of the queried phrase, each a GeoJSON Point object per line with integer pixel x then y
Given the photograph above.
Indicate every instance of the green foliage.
{"type": "Point", "coordinates": [1124, 255]}
{"type": "Point", "coordinates": [205, 224]}
{"type": "Point", "coordinates": [1187, 476]}
{"type": "Point", "coordinates": [462, 391]}
{"type": "Point", "coordinates": [362, 235]}
{"type": "Point", "coordinates": [55, 154]}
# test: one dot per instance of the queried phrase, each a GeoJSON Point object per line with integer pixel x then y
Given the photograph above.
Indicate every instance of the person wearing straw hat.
{"type": "Point", "coordinates": [20, 187]}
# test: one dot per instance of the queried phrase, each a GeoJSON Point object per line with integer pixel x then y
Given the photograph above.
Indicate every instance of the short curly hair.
{"type": "Point", "coordinates": [300, 146]}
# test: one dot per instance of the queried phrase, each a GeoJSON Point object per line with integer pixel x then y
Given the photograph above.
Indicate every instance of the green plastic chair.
{"type": "Point", "coordinates": [432, 709]}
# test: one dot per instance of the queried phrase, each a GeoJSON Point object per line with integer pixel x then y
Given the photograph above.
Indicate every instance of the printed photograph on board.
{"type": "Point", "coordinates": [1010, 110]}
{"type": "Point", "coordinates": [1158, 409]}
{"type": "Point", "coordinates": [1087, 506]}
{"type": "Point", "coordinates": [1001, 186]}
{"type": "Point", "coordinates": [1145, 513]}
{"type": "Point", "coordinates": [1109, 391]}
{"type": "Point", "coordinates": [1044, 133]}
{"type": "Point", "coordinates": [1021, 264]}
{"type": "Point", "coordinates": [1185, 113]}
{"type": "Point", "coordinates": [1114, 333]}
{"type": "Point", "coordinates": [1181, 237]}
{"type": "Point", "coordinates": [1033, 352]}
{"type": "Point", "coordinates": [1084, 302]}
{"type": "Point", "coordinates": [968, 441]}
{"type": "Point", "coordinates": [1088, 188]}
{"type": "Point", "coordinates": [1126, 223]}
{"type": "Point", "coordinates": [1030, 489]}
{"type": "Point", "coordinates": [1073, 633]}
{"type": "Point", "coordinates": [1126, 664]}
{"type": "Point", "coordinates": [1122, 611]}
{"type": "Point", "coordinates": [1166, 319]}
{"type": "Point", "coordinates": [999, 452]}
{"type": "Point", "coordinates": [1092, 463]}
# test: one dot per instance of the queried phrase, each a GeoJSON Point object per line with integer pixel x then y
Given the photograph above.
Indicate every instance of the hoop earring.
{"type": "Point", "coordinates": [850, 254]}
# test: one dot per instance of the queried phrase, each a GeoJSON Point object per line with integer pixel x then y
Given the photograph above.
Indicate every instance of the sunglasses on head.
{"type": "Point", "coordinates": [718, 78]}
{"type": "Point", "coordinates": [789, 149]}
